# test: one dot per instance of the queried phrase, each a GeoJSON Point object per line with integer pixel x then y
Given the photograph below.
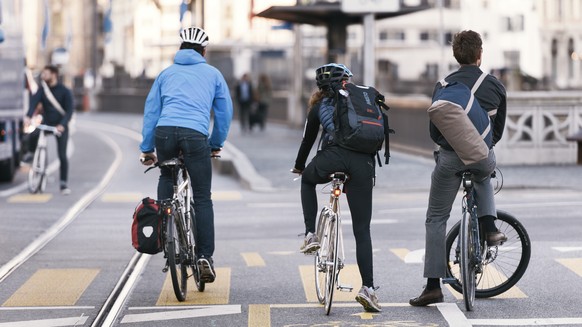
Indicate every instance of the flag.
{"type": "Point", "coordinates": [183, 9]}
{"type": "Point", "coordinates": [46, 26]}
{"type": "Point", "coordinates": [107, 23]}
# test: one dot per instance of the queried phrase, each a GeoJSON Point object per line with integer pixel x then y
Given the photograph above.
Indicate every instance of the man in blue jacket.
{"type": "Point", "coordinates": [177, 119]}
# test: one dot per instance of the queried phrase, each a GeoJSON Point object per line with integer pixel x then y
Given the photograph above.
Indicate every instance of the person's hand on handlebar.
{"type": "Point", "coordinates": [296, 171]}
{"type": "Point", "coordinates": [148, 159]}
{"type": "Point", "coordinates": [215, 153]}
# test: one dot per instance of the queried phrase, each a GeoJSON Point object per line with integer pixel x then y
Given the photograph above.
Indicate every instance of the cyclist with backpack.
{"type": "Point", "coordinates": [177, 120]}
{"type": "Point", "coordinates": [445, 180]}
{"type": "Point", "coordinates": [330, 158]}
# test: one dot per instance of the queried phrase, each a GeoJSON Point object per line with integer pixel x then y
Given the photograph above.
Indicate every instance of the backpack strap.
{"type": "Point", "coordinates": [474, 89]}
{"type": "Point", "coordinates": [51, 98]}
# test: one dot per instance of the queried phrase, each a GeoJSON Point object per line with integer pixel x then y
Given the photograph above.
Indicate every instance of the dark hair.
{"type": "Point", "coordinates": [196, 47]}
{"type": "Point", "coordinates": [467, 46]}
{"type": "Point", "coordinates": [53, 69]}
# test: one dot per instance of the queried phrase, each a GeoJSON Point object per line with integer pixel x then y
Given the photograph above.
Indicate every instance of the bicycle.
{"type": "Point", "coordinates": [37, 175]}
{"type": "Point", "coordinates": [475, 269]}
{"type": "Point", "coordinates": [178, 230]}
{"type": "Point", "coordinates": [329, 258]}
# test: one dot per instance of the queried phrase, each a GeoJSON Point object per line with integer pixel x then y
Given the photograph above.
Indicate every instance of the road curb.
{"type": "Point", "coordinates": [235, 163]}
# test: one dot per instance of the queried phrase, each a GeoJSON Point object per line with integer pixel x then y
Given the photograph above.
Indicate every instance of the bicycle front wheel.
{"type": "Point", "coordinates": [503, 265]}
{"type": "Point", "coordinates": [175, 245]}
{"type": "Point", "coordinates": [37, 172]}
{"type": "Point", "coordinates": [200, 284]}
{"type": "Point", "coordinates": [467, 261]}
{"type": "Point", "coordinates": [332, 264]}
{"type": "Point", "coordinates": [320, 262]}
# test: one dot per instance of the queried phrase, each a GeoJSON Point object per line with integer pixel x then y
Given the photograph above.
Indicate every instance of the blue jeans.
{"type": "Point", "coordinates": [170, 141]}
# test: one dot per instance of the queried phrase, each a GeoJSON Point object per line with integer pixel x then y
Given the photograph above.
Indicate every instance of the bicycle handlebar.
{"type": "Point", "coordinates": [47, 128]}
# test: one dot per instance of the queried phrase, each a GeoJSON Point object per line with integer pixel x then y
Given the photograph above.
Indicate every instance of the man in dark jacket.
{"type": "Point", "coordinates": [445, 180]}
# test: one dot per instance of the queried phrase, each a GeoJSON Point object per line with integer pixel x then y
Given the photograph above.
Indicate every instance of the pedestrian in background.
{"type": "Point", "coordinates": [264, 98]}
{"type": "Point", "coordinates": [445, 180]}
{"type": "Point", "coordinates": [177, 121]}
{"type": "Point", "coordinates": [245, 98]}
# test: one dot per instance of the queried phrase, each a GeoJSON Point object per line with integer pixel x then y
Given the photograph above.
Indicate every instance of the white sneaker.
{"type": "Point", "coordinates": [368, 299]}
{"type": "Point", "coordinates": [310, 244]}
{"type": "Point", "coordinates": [65, 191]}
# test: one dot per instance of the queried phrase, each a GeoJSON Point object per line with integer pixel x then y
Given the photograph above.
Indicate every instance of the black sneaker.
{"type": "Point", "coordinates": [206, 269]}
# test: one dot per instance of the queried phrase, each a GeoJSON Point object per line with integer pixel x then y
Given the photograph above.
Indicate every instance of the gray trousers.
{"type": "Point", "coordinates": [443, 192]}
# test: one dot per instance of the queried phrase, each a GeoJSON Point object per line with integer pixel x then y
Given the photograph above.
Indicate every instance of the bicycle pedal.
{"type": "Point", "coordinates": [449, 280]}
{"type": "Point", "coordinates": [345, 288]}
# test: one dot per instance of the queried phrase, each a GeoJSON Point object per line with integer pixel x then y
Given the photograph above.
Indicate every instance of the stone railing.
{"type": "Point", "coordinates": [537, 126]}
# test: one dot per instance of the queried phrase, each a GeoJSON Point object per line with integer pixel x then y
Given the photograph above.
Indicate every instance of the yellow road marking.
{"type": "Point", "coordinates": [259, 315]}
{"type": "Point", "coordinates": [512, 293]}
{"type": "Point", "coordinates": [400, 252]}
{"type": "Point", "coordinates": [573, 264]}
{"type": "Point", "coordinates": [215, 293]}
{"type": "Point", "coordinates": [52, 287]}
{"type": "Point", "coordinates": [350, 275]}
{"type": "Point", "coordinates": [366, 315]}
{"type": "Point", "coordinates": [253, 259]}
{"type": "Point", "coordinates": [30, 198]}
{"type": "Point", "coordinates": [121, 197]}
{"type": "Point", "coordinates": [226, 196]}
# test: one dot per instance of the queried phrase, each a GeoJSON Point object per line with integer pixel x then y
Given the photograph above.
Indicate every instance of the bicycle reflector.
{"type": "Point", "coordinates": [337, 192]}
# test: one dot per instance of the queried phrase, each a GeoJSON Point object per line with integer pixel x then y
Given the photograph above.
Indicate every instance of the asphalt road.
{"type": "Point", "coordinates": [262, 279]}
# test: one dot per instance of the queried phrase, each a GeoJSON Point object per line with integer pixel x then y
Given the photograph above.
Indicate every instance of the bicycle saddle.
{"type": "Point", "coordinates": [339, 175]}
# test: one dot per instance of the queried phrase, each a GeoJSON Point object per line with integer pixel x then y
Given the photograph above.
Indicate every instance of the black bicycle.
{"type": "Point", "coordinates": [476, 269]}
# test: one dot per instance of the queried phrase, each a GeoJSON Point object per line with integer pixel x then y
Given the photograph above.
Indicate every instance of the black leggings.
{"type": "Point", "coordinates": [360, 168]}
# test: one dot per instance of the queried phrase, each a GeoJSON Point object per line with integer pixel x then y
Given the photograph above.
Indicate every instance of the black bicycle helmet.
{"type": "Point", "coordinates": [331, 73]}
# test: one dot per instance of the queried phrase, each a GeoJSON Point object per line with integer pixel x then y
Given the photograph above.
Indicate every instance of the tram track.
{"type": "Point", "coordinates": [111, 308]}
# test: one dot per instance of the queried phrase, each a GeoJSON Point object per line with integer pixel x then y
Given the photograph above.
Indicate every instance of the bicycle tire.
{"type": "Point", "coordinates": [320, 266]}
{"type": "Point", "coordinates": [175, 253]}
{"type": "Point", "coordinates": [504, 266]}
{"type": "Point", "coordinates": [200, 284]}
{"type": "Point", "coordinates": [333, 266]}
{"type": "Point", "coordinates": [37, 172]}
{"type": "Point", "coordinates": [467, 267]}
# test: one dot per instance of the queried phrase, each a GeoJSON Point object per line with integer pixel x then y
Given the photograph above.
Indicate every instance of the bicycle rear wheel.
{"type": "Point", "coordinates": [467, 261]}
{"type": "Point", "coordinates": [37, 172]}
{"type": "Point", "coordinates": [503, 265]}
{"type": "Point", "coordinates": [332, 264]}
{"type": "Point", "coordinates": [175, 246]}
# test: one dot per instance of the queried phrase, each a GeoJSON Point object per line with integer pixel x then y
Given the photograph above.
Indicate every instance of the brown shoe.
{"type": "Point", "coordinates": [428, 297]}
{"type": "Point", "coordinates": [496, 238]}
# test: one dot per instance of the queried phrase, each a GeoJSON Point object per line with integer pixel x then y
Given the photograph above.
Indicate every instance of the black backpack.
{"type": "Point", "coordinates": [146, 229]}
{"type": "Point", "coordinates": [360, 123]}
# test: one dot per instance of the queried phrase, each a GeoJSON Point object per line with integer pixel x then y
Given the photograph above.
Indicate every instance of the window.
{"type": "Point", "coordinates": [513, 24]}
{"type": "Point", "coordinates": [388, 35]}
{"type": "Point", "coordinates": [426, 36]}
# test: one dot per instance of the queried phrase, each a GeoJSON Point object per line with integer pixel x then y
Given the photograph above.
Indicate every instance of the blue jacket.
{"type": "Point", "coordinates": [183, 95]}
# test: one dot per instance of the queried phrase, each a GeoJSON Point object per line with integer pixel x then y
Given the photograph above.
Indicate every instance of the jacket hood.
{"type": "Point", "coordinates": [188, 57]}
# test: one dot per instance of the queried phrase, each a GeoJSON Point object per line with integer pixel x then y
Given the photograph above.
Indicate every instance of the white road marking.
{"type": "Point", "coordinates": [73, 321]}
{"type": "Point", "coordinates": [453, 315]}
{"type": "Point", "coordinates": [527, 322]}
{"type": "Point", "coordinates": [203, 311]}
{"type": "Point", "coordinates": [47, 308]}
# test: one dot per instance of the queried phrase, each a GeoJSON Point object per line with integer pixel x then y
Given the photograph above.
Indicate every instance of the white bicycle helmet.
{"type": "Point", "coordinates": [194, 35]}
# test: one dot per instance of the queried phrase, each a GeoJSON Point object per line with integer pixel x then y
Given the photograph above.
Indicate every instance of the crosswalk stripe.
{"type": "Point", "coordinates": [253, 259]}
{"type": "Point", "coordinates": [350, 275]}
{"type": "Point", "coordinates": [574, 264]}
{"type": "Point", "coordinates": [52, 287]}
{"type": "Point", "coordinates": [30, 198]}
{"type": "Point", "coordinates": [72, 321]}
{"type": "Point", "coordinates": [215, 293]}
{"type": "Point", "coordinates": [259, 315]}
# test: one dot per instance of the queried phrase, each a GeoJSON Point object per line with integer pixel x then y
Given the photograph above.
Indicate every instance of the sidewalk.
{"type": "Point", "coordinates": [262, 160]}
